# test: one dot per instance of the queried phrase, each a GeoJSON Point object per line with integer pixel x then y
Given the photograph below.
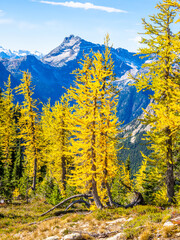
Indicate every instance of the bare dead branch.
{"type": "Point", "coordinates": [66, 200]}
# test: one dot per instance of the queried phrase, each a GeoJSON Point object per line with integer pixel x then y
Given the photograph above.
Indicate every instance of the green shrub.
{"type": "Point", "coordinates": [50, 191]}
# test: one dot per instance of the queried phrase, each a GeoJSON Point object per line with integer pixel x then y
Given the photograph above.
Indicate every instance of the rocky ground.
{"type": "Point", "coordinates": [23, 222]}
{"type": "Point", "coordinates": [75, 228]}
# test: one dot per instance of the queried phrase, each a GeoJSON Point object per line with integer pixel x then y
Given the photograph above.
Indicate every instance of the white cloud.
{"type": "Point", "coordinates": [6, 21]}
{"type": "Point", "coordinates": [85, 6]}
{"type": "Point", "coordinates": [1, 13]}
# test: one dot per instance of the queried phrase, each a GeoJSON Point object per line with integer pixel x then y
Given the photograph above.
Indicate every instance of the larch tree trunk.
{"type": "Point", "coordinates": [93, 157]}
{"type": "Point", "coordinates": [170, 168]}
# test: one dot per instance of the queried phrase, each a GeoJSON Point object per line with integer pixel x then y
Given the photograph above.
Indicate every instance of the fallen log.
{"type": "Point", "coordinates": [139, 200]}
{"type": "Point", "coordinates": [66, 200]}
{"type": "Point", "coordinates": [78, 201]}
{"type": "Point", "coordinates": [117, 204]}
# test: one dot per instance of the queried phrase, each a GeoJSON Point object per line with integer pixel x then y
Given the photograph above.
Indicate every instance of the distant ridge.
{"type": "Point", "coordinates": [6, 53]}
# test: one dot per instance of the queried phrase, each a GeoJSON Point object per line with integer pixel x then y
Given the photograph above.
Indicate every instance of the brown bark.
{"type": "Point", "coordinates": [109, 194]}
{"type": "Point", "coordinates": [93, 159]}
{"type": "Point", "coordinates": [169, 154]}
{"type": "Point", "coordinates": [78, 201]}
{"type": "Point", "coordinates": [95, 194]}
{"type": "Point", "coordinates": [34, 175]}
{"type": "Point", "coordinates": [63, 179]}
{"type": "Point", "coordinates": [32, 125]}
{"type": "Point", "coordinates": [35, 151]}
{"type": "Point", "coordinates": [170, 168]}
{"type": "Point", "coordinates": [63, 160]}
{"type": "Point", "coordinates": [139, 200]}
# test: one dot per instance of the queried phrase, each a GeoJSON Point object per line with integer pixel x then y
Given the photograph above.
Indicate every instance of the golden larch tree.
{"type": "Point", "coordinates": [162, 76]}
{"type": "Point", "coordinates": [29, 128]}
{"type": "Point", "coordinates": [8, 128]}
{"type": "Point", "coordinates": [56, 137]}
{"type": "Point", "coordinates": [95, 127]}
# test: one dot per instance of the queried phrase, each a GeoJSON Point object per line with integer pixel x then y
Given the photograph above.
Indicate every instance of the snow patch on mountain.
{"type": "Point", "coordinates": [10, 54]}
{"type": "Point", "coordinates": [125, 79]}
{"type": "Point", "coordinates": [70, 41]}
{"type": "Point", "coordinates": [64, 53]}
{"type": "Point", "coordinates": [136, 127]}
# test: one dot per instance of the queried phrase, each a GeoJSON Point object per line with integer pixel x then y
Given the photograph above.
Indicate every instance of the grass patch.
{"type": "Point", "coordinates": [110, 213]}
{"type": "Point", "coordinates": [146, 235]}
{"type": "Point", "coordinates": [113, 213]}
{"type": "Point", "coordinates": [66, 231]}
{"type": "Point", "coordinates": [73, 217]}
{"type": "Point", "coordinates": [15, 216]}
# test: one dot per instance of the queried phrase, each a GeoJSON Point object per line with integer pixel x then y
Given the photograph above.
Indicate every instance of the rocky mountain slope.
{"type": "Point", "coordinates": [134, 142]}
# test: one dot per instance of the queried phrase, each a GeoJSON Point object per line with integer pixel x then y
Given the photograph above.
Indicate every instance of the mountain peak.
{"type": "Point", "coordinates": [70, 41]}
{"type": "Point", "coordinates": [65, 52]}
{"type": "Point", "coordinates": [71, 38]}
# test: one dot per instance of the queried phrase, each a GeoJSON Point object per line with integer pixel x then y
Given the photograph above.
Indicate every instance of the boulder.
{"type": "Point", "coordinates": [73, 236]}
{"type": "Point", "coordinates": [116, 237]}
{"type": "Point", "coordinates": [168, 223]}
{"type": "Point", "coordinates": [53, 238]}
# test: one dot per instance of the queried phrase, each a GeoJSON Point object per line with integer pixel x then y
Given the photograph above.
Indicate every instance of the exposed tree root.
{"type": "Point", "coordinates": [139, 200]}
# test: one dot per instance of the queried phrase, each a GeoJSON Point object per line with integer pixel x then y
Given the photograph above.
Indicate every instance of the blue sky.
{"type": "Point", "coordinates": [42, 24]}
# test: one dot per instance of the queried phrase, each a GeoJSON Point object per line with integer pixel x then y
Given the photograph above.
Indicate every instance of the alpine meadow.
{"type": "Point", "coordinates": [93, 152]}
